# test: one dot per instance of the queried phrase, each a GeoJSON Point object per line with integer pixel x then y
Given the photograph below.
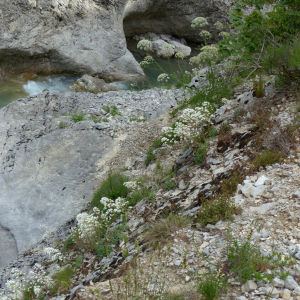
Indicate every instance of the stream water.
{"type": "Point", "coordinates": [18, 87]}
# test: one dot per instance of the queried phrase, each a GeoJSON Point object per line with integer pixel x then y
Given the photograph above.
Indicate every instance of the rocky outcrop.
{"type": "Point", "coordinates": [93, 85]}
{"type": "Point", "coordinates": [173, 17]}
{"type": "Point", "coordinates": [53, 148]}
{"type": "Point", "coordinates": [54, 36]}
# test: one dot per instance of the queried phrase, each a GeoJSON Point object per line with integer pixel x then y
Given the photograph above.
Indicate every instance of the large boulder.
{"type": "Point", "coordinates": [87, 37]}
{"type": "Point", "coordinates": [93, 85]}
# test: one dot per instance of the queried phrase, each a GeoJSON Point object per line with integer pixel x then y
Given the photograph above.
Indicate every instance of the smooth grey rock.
{"type": "Point", "coordinates": [182, 185]}
{"type": "Point", "coordinates": [257, 190]}
{"type": "Point", "coordinates": [239, 199]}
{"type": "Point", "coordinates": [177, 262]}
{"type": "Point", "coordinates": [290, 283]}
{"type": "Point", "coordinates": [93, 85]}
{"type": "Point", "coordinates": [262, 209]}
{"type": "Point", "coordinates": [261, 180]}
{"type": "Point", "coordinates": [265, 234]}
{"type": "Point", "coordinates": [182, 170]}
{"type": "Point", "coordinates": [162, 48]}
{"type": "Point", "coordinates": [297, 255]}
{"type": "Point", "coordinates": [292, 249]}
{"type": "Point", "coordinates": [286, 294]}
{"type": "Point", "coordinates": [250, 286]}
{"type": "Point", "coordinates": [246, 189]}
{"type": "Point", "coordinates": [256, 236]}
{"type": "Point", "coordinates": [272, 292]}
{"type": "Point", "coordinates": [277, 282]}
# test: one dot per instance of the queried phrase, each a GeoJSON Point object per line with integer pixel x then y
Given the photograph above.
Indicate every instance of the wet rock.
{"type": "Point", "coordinates": [93, 85]}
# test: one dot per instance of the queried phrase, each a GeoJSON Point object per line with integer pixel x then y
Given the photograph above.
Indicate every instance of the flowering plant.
{"type": "Point", "coordinates": [189, 124]}
{"type": "Point", "coordinates": [35, 281]}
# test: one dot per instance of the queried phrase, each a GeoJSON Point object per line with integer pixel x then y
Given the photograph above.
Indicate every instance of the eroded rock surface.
{"type": "Point", "coordinates": [49, 163]}
{"type": "Point", "coordinates": [87, 37]}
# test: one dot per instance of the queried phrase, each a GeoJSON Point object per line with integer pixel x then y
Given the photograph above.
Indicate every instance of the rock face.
{"type": "Point", "coordinates": [55, 36]}
{"type": "Point", "coordinates": [49, 164]}
{"type": "Point", "coordinates": [173, 17]}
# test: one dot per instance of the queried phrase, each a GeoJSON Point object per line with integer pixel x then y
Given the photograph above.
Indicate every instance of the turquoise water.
{"type": "Point", "coordinates": [18, 87]}
{"type": "Point", "coordinates": [172, 65]}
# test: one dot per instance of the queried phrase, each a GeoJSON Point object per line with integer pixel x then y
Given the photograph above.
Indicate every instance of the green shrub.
{"type": "Point", "coordinates": [229, 185]}
{"type": "Point", "coordinates": [200, 154]}
{"type": "Point", "coordinates": [113, 110]}
{"type": "Point", "coordinates": [63, 125]}
{"type": "Point", "coordinates": [171, 296]}
{"type": "Point", "coordinates": [284, 61]}
{"type": "Point", "coordinates": [78, 118]}
{"type": "Point", "coordinates": [161, 230]}
{"type": "Point", "coordinates": [103, 249]}
{"type": "Point", "coordinates": [247, 262]}
{"type": "Point", "coordinates": [150, 157]}
{"type": "Point", "coordinates": [211, 285]}
{"type": "Point", "coordinates": [112, 188]}
{"type": "Point", "coordinates": [62, 280]}
{"type": "Point", "coordinates": [136, 196]}
{"type": "Point", "coordinates": [266, 158]}
{"type": "Point", "coordinates": [69, 242]}
{"type": "Point", "coordinates": [216, 209]}
{"type": "Point", "coordinates": [169, 184]}
{"type": "Point", "coordinates": [104, 246]}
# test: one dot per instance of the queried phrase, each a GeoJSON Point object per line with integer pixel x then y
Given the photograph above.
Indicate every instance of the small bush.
{"type": "Point", "coordinates": [136, 196]}
{"type": "Point", "coordinates": [200, 154]}
{"type": "Point", "coordinates": [162, 229]}
{"type": "Point", "coordinates": [284, 61]}
{"type": "Point", "coordinates": [169, 184]}
{"type": "Point", "coordinates": [112, 238]}
{"type": "Point", "coordinates": [216, 209]}
{"type": "Point", "coordinates": [78, 118]}
{"type": "Point", "coordinates": [113, 110]}
{"type": "Point", "coordinates": [229, 185]}
{"type": "Point", "coordinates": [62, 280]}
{"type": "Point", "coordinates": [247, 262]}
{"type": "Point", "coordinates": [150, 157]}
{"type": "Point", "coordinates": [63, 125]}
{"type": "Point", "coordinates": [266, 158]}
{"type": "Point", "coordinates": [112, 188]}
{"type": "Point", "coordinates": [211, 285]}
{"type": "Point", "coordinates": [69, 242]}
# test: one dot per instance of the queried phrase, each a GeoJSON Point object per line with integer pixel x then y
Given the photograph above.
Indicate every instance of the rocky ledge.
{"type": "Point", "coordinates": [55, 146]}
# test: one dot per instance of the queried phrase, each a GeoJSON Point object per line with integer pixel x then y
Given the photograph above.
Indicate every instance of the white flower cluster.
{"type": "Point", "coordinates": [188, 125]}
{"type": "Point", "coordinates": [169, 50]}
{"type": "Point", "coordinates": [208, 54]}
{"type": "Point", "coordinates": [199, 22]}
{"type": "Point", "coordinates": [19, 282]}
{"type": "Point", "coordinates": [224, 34]}
{"type": "Point", "coordinates": [112, 208]}
{"type": "Point", "coordinates": [179, 55]}
{"type": "Point", "coordinates": [87, 226]}
{"type": "Point", "coordinates": [145, 45]}
{"type": "Point", "coordinates": [163, 77]}
{"type": "Point", "coordinates": [131, 185]}
{"type": "Point", "coordinates": [205, 34]}
{"type": "Point", "coordinates": [53, 253]}
{"type": "Point", "coordinates": [218, 25]}
{"type": "Point", "coordinates": [148, 60]}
